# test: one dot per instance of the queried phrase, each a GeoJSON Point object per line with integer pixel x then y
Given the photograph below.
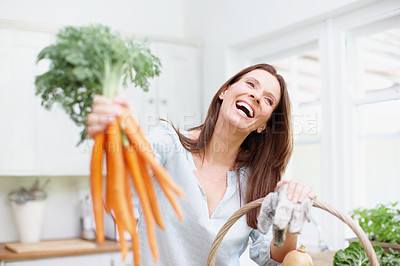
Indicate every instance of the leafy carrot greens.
{"type": "Point", "coordinates": [90, 60]}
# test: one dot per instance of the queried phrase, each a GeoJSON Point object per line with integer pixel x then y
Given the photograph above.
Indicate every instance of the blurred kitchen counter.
{"type": "Point", "coordinates": [323, 258]}
{"type": "Point", "coordinates": [319, 259]}
{"type": "Point", "coordinates": [7, 254]}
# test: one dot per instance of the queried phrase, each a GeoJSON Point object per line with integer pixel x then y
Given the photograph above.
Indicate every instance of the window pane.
{"type": "Point", "coordinates": [377, 118]}
{"type": "Point", "coordinates": [380, 60]}
{"type": "Point", "coordinates": [302, 75]}
{"type": "Point", "coordinates": [377, 172]}
{"type": "Point", "coordinates": [306, 165]}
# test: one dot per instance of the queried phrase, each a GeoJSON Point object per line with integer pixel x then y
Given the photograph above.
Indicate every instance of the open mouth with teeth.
{"type": "Point", "coordinates": [245, 108]}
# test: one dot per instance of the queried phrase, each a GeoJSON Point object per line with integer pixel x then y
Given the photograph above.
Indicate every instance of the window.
{"type": "Point", "coordinates": [343, 79]}
{"type": "Point", "coordinates": [375, 88]}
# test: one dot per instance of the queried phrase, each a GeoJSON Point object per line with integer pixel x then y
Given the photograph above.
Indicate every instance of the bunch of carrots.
{"type": "Point", "coordinates": [130, 161]}
{"type": "Point", "coordinates": [91, 60]}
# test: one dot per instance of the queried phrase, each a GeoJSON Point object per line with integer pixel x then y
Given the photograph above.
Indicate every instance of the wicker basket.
{"type": "Point", "coordinates": [317, 203]}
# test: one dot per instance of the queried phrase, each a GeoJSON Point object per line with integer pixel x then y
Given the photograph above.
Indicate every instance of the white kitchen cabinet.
{"type": "Point", "coordinates": [38, 142]}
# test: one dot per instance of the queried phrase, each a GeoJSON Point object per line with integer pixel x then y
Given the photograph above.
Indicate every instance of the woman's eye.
{"type": "Point", "coordinates": [250, 84]}
{"type": "Point", "coordinates": [269, 101]}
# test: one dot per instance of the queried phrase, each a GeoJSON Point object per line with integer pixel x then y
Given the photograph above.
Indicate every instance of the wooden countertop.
{"type": "Point", "coordinates": [6, 254]}
{"type": "Point", "coordinates": [319, 259]}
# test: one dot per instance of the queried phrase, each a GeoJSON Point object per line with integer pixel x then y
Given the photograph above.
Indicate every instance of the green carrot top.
{"type": "Point", "coordinates": [85, 61]}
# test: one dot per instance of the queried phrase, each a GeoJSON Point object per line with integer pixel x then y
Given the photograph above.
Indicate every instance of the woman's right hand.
{"type": "Point", "coordinates": [104, 111]}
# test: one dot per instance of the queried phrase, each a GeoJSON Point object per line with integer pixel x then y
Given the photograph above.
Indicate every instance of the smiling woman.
{"type": "Point", "coordinates": [252, 96]}
{"type": "Point", "coordinates": [272, 122]}
{"type": "Point", "coordinates": [237, 155]}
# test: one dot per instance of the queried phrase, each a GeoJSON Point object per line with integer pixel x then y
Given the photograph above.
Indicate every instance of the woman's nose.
{"type": "Point", "coordinates": [256, 98]}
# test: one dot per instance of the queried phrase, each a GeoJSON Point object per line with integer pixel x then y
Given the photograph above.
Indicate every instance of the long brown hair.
{"type": "Point", "coordinates": [264, 155]}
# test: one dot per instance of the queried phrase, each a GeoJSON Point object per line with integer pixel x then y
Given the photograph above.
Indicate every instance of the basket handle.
{"type": "Point", "coordinates": [366, 243]}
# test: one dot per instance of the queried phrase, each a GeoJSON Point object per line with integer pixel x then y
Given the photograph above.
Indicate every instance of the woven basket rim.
{"type": "Point", "coordinates": [366, 243]}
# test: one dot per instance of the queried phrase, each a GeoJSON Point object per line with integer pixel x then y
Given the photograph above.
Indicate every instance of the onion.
{"type": "Point", "coordinates": [297, 257]}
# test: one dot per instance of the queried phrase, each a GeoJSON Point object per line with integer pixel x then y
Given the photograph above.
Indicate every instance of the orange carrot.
{"type": "Point", "coordinates": [162, 174]}
{"type": "Point", "coordinates": [151, 192]}
{"type": "Point", "coordinates": [129, 198]}
{"type": "Point", "coordinates": [172, 200]}
{"type": "Point", "coordinates": [96, 185]}
{"type": "Point", "coordinates": [136, 138]}
{"type": "Point", "coordinates": [134, 133]}
{"type": "Point", "coordinates": [109, 177]}
{"type": "Point", "coordinates": [116, 169]}
{"type": "Point", "coordinates": [133, 165]}
{"type": "Point", "coordinates": [122, 240]}
{"type": "Point", "coordinates": [135, 236]}
{"type": "Point", "coordinates": [136, 249]}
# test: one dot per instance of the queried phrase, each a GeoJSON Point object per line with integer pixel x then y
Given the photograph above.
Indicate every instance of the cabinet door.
{"type": "Point", "coordinates": [35, 141]}
{"type": "Point", "coordinates": [178, 93]}
{"type": "Point", "coordinates": [17, 101]}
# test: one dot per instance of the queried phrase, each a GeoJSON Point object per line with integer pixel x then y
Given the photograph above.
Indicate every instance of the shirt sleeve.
{"type": "Point", "coordinates": [260, 248]}
{"type": "Point", "coordinates": [161, 139]}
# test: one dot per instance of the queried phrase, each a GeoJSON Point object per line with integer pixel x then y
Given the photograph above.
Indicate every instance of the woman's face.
{"type": "Point", "coordinates": [249, 103]}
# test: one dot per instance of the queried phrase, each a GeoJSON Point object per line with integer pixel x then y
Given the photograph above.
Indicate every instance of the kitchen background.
{"type": "Point", "coordinates": [341, 60]}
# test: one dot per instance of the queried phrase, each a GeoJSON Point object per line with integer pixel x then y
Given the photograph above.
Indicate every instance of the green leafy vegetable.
{"type": "Point", "coordinates": [355, 255]}
{"type": "Point", "coordinates": [91, 60]}
{"type": "Point", "coordinates": [381, 224]}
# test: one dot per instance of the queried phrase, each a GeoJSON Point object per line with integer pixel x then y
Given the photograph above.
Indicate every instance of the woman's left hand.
{"type": "Point", "coordinates": [297, 192]}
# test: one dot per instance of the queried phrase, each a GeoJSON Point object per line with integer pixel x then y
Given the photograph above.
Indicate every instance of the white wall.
{"type": "Point", "coordinates": [225, 24]}
{"type": "Point", "coordinates": [143, 17]}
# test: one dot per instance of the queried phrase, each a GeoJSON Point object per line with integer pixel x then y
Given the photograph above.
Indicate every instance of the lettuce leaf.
{"type": "Point", "coordinates": [355, 254]}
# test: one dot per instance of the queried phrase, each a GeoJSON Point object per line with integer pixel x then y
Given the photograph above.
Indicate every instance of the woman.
{"type": "Point", "coordinates": [238, 155]}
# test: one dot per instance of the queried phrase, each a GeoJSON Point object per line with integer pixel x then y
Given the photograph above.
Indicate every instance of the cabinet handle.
{"type": "Point", "coordinates": [151, 101]}
{"type": "Point", "coordinates": [164, 102]}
